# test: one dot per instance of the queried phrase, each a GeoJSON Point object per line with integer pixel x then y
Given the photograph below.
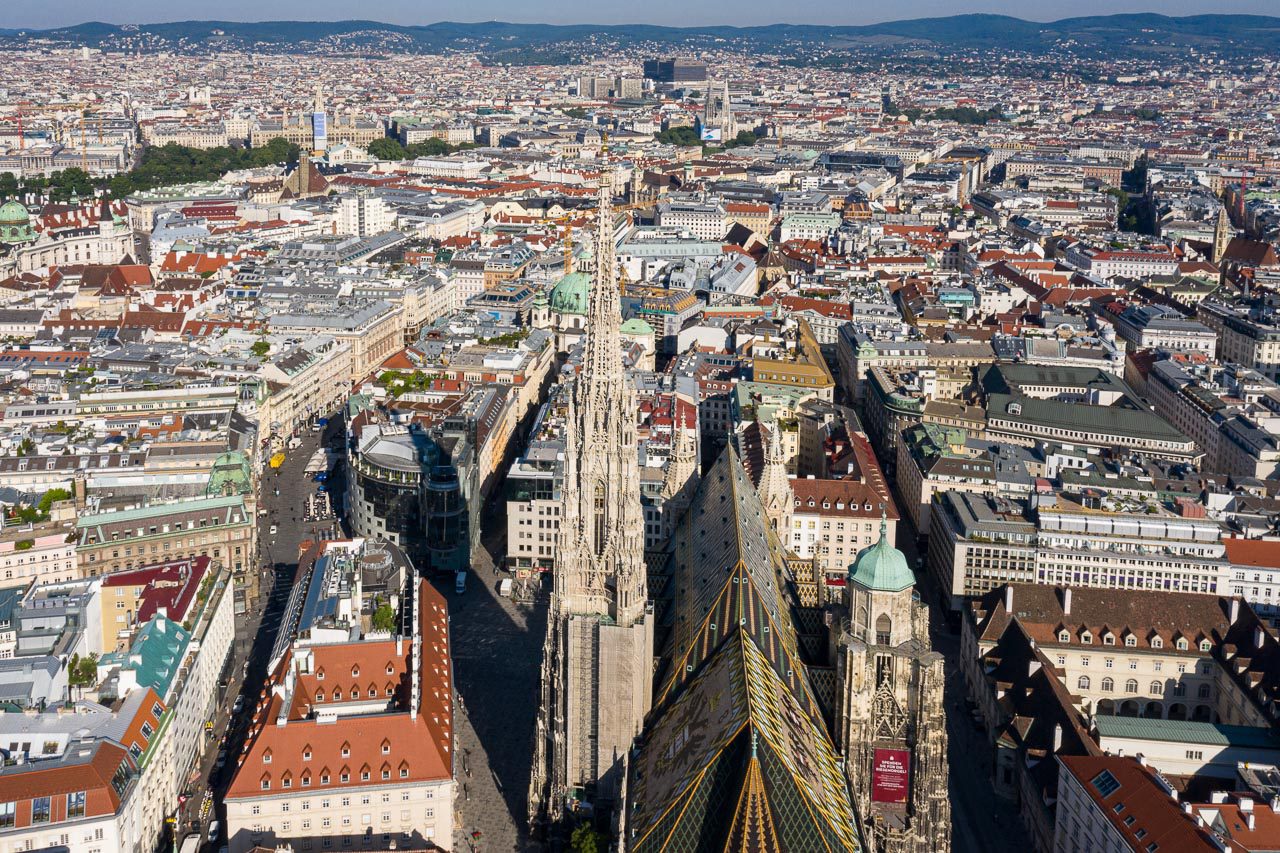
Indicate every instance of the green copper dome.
{"type": "Point", "coordinates": [13, 213]}
{"type": "Point", "coordinates": [15, 224]}
{"type": "Point", "coordinates": [881, 567]}
{"type": "Point", "coordinates": [636, 326]}
{"type": "Point", "coordinates": [572, 294]}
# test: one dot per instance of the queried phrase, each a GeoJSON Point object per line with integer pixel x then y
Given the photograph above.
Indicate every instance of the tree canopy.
{"type": "Point", "coordinates": [685, 136]}
{"type": "Point", "coordinates": [391, 149]}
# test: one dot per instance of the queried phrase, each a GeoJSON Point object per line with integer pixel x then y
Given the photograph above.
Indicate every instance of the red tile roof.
{"type": "Point", "coordinates": [1252, 552]}
{"type": "Point", "coordinates": [388, 746]}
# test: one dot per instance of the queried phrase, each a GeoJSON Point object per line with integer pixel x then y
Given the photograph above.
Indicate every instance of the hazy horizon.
{"type": "Point", "coordinates": [60, 13]}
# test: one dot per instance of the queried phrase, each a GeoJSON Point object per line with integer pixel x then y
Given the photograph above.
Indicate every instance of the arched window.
{"type": "Point", "coordinates": [884, 627]}
{"type": "Point", "coordinates": [1204, 691]}
{"type": "Point", "coordinates": [599, 518]}
{"type": "Point", "coordinates": [1131, 686]}
{"type": "Point", "coordinates": [1108, 685]}
{"type": "Point", "coordinates": [1083, 683]}
{"type": "Point", "coordinates": [1157, 689]}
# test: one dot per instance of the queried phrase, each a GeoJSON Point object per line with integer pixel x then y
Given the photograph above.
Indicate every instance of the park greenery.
{"type": "Point", "coordinates": [684, 136]}
{"type": "Point", "coordinates": [391, 149]}
{"type": "Point", "coordinates": [161, 166]}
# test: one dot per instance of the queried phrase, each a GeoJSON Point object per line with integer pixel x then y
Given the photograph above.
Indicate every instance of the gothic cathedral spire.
{"type": "Point", "coordinates": [598, 658]}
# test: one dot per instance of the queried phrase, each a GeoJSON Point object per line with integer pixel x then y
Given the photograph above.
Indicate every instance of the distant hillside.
{"type": "Point", "coordinates": [1103, 35]}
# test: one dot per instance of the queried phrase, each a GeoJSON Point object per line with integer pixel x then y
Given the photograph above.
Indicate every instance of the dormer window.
{"type": "Point", "coordinates": [346, 750]}
{"type": "Point", "coordinates": [1108, 640]}
{"type": "Point", "coordinates": [355, 672]}
{"type": "Point", "coordinates": [1064, 636]}
{"type": "Point", "coordinates": [266, 757]}
{"type": "Point", "coordinates": [1204, 645]}
{"type": "Point", "coordinates": [1086, 638]}
{"type": "Point", "coordinates": [319, 675]}
{"type": "Point", "coordinates": [306, 753]}
{"type": "Point", "coordinates": [1131, 641]}
{"type": "Point", "coordinates": [386, 747]}
{"type": "Point", "coordinates": [1157, 643]}
{"type": "Point", "coordinates": [1181, 644]}
{"type": "Point", "coordinates": [319, 695]}
{"type": "Point", "coordinates": [389, 669]}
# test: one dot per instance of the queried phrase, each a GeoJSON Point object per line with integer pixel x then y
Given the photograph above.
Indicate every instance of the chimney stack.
{"type": "Point", "coordinates": [1057, 737]}
{"type": "Point", "coordinates": [1235, 610]}
{"type": "Point", "coordinates": [1008, 597]}
{"type": "Point", "coordinates": [1066, 601]}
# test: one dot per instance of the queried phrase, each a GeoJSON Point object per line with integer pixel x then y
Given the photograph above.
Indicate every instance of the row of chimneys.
{"type": "Point", "coordinates": [1064, 595]}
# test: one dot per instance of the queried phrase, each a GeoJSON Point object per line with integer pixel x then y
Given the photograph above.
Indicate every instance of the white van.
{"type": "Point", "coordinates": [504, 587]}
{"type": "Point", "coordinates": [460, 583]}
{"type": "Point", "coordinates": [213, 831]}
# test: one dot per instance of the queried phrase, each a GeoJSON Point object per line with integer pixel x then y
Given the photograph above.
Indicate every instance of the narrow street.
{"type": "Point", "coordinates": [256, 629]}
{"type": "Point", "coordinates": [497, 652]}
{"type": "Point", "coordinates": [981, 822]}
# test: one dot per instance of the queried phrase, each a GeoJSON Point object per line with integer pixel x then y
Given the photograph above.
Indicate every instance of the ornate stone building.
{"type": "Point", "coordinates": [889, 715]}
{"type": "Point", "coordinates": [597, 668]}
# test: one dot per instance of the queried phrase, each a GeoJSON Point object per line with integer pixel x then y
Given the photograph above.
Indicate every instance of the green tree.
{"type": "Point", "coordinates": [260, 348]}
{"type": "Point", "coordinates": [684, 136]}
{"type": "Point", "coordinates": [384, 618]}
{"type": "Point", "coordinates": [387, 149]}
{"type": "Point", "coordinates": [83, 672]}
{"type": "Point", "coordinates": [49, 498]}
{"type": "Point", "coordinates": [744, 137]}
{"type": "Point", "coordinates": [585, 839]}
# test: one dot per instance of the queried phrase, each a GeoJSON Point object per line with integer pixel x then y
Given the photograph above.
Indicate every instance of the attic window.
{"type": "Point", "coordinates": [1157, 643]}
{"type": "Point", "coordinates": [1064, 636]}
{"type": "Point", "coordinates": [1108, 640]}
{"type": "Point", "coordinates": [355, 672]}
{"type": "Point", "coordinates": [1182, 644]}
{"type": "Point", "coordinates": [1204, 645]}
{"type": "Point", "coordinates": [1086, 637]}
{"type": "Point", "coordinates": [1131, 640]}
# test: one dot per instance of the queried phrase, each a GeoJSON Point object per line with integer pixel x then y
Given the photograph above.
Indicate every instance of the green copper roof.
{"type": "Point", "coordinates": [881, 567]}
{"type": "Point", "coordinates": [230, 475]}
{"type": "Point", "coordinates": [13, 213]}
{"type": "Point", "coordinates": [572, 294]}
{"type": "Point", "coordinates": [636, 326]}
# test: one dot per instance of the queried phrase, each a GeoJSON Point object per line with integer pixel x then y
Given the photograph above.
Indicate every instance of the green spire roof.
{"type": "Point", "coordinates": [881, 567]}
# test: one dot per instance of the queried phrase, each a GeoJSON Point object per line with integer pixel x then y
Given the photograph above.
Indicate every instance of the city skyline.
{"type": "Point", "coordinates": [63, 13]}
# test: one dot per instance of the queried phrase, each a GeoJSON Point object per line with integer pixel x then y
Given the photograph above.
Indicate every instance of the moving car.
{"type": "Point", "coordinates": [460, 583]}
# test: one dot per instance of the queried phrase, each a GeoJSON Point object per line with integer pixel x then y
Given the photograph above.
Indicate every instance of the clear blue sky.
{"type": "Point", "coordinates": [55, 13]}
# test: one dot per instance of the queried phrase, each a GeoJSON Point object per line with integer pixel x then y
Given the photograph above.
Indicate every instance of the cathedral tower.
{"type": "Point", "coordinates": [597, 664]}
{"type": "Point", "coordinates": [889, 718]}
